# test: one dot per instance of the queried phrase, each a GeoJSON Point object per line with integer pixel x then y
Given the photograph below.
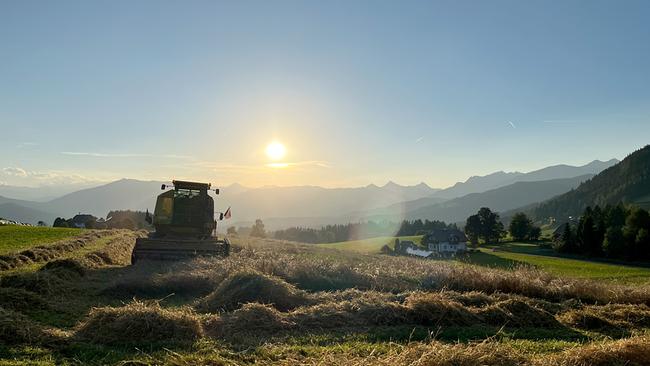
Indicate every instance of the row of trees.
{"type": "Point", "coordinates": [361, 230]}
{"type": "Point", "coordinates": [257, 230]}
{"type": "Point", "coordinates": [487, 226]}
{"type": "Point", "coordinates": [484, 225]}
{"type": "Point", "coordinates": [614, 231]}
{"type": "Point", "coordinates": [118, 219]}
{"type": "Point", "coordinates": [522, 228]}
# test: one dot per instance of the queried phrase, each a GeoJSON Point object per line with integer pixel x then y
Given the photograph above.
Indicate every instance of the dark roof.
{"type": "Point", "coordinates": [443, 235]}
{"type": "Point", "coordinates": [83, 218]}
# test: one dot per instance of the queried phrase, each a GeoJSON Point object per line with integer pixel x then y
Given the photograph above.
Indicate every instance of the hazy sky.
{"type": "Point", "coordinates": [359, 92]}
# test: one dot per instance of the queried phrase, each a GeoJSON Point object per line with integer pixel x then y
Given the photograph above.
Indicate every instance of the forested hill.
{"type": "Point", "coordinates": [627, 182]}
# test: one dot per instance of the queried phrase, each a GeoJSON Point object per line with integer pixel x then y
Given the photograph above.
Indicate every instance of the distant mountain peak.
{"type": "Point", "coordinates": [391, 184]}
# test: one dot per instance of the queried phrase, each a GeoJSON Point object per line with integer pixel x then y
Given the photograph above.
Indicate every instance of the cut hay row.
{"type": "Point", "coordinates": [352, 310]}
{"type": "Point", "coordinates": [141, 323]}
{"type": "Point", "coordinates": [116, 252]}
{"type": "Point", "coordinates": [49, 252]}
{"type": "Point", "coordinates": [631, 351]}
{"type": "Point", "coordinates": [60, 274]}
{"type": "Point", "coordinates": [318, 269]}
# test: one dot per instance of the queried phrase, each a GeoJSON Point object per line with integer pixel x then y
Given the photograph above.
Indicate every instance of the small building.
{"type": "Point", "coordinates": [445, 242]}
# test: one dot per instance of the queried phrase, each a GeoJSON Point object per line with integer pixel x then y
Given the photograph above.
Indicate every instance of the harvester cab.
{"type": "Point", "coordinates": [184, 224]}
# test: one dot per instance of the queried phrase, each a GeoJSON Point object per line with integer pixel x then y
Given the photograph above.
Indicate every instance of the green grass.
{"type": "Point", "coordinates": [14, 238]}
{"type": "Point", "coordinates": [508, 255]}
{"type": "Point", "coordinates": [369, 246]}
{"type": "Point", "coordinates": [513, 254]}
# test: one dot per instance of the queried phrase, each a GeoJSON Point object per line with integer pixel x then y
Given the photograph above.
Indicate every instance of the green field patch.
{"type": "Point", "coordinates": [372, 245]}
{"type": "Point", "coordinates": [14, 238]}
{"type": "Point", "coordinates": [511, 254]}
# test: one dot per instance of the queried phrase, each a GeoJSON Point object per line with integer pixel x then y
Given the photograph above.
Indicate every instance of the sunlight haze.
{"type": "Point", "coordinates": [360, 92]}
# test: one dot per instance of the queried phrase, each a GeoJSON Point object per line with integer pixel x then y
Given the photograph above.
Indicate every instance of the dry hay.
{"type": "Point", "coordinates": [116, 252]}
{"type": "Point", "coordinates": [435, 309]}
{"type": "Point", "coordinates": [251, 286]}
{"type": "Point", "coordinates": [370, 308]}
{"type": "Point", "coordinates": [139, 323]}
{"type": "Point", "coordinates": [517, 313]}
{"type": "Point", "coordinates": [634, 351]}
{"type": "Point", "coordinates": [68, 264]}
{"type": "Point", "coordinates": [151, 279]}
{"type": "Point", "coordinates": [608, 317]}
{"type": "Point", "coordinates": [20, 299]}
{"type": "Point", "coordinates": [436, 353]}
{"type": "Point", "coordinates": [433, 353]}
{"type": "Point", "coordinates": [334, 271]}
{"type": "Point", "coordinates": [43, 281]}
{"type": "Point", "coordinates": [471, 298]}
{"type": "Point", "coordinates": [16, 328]}
{"type": "Point", "coordinates": [251, 318]}
{"type": "Point", "coordinates": [52, 251]}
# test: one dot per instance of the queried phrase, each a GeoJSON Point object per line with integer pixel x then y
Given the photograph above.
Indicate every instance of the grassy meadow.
{"type": "Point", "coordinates": [273, 302]}
{"type": "Point", "coordinates": [14, 237]}
{"type": "Point", "coordinates": [510, 255]}
{"type": "Point", "coordinates": [370, 246]}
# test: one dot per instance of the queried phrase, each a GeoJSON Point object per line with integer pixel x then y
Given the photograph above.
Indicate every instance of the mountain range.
{"type": "Point", "coordinates": [315, 206]}
{"type": "Point", "coordinates": [626, 182]}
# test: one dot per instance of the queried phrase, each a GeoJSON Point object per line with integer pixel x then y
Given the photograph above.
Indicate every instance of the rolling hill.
{"type": "Point", "coordinates": [298, 203]}
{"type": "Point", "coordinates": [478, 184]}
{"type": "Point", "coordinates": [627, 182]}
{"type": "Point", "coordinates": [500, 199]}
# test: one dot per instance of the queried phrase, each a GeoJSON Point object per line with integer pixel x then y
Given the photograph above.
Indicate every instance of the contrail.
{"type": "Point", "coordinates": [512, 124]}
{"type": "Point", "coordinates": [419, 139]}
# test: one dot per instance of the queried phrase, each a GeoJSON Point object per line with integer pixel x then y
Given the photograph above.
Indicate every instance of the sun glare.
{"type": "Point", "coordinates": [275, 151]}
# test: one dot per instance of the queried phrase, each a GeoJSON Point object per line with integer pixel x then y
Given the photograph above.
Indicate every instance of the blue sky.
{"type": "Point", "coordinates": [359, 92]}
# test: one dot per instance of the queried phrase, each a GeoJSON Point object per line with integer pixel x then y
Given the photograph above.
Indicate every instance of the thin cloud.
{"type": "Point", "coordinates": [15, 172]}
{"type": "Point", "coordinates": [512, 124]}
{"type": "Point", "coordinates": [105, 155]}
{"type": "Point", "coordinates": [20, 176]}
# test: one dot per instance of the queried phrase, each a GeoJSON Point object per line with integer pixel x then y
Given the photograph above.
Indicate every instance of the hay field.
{"type": "Point", "coordinates": [14, 237]}
{"type": "Point", "coordinates": [282, 303]}
{"type": "Point", "coordinates": [507, 255]}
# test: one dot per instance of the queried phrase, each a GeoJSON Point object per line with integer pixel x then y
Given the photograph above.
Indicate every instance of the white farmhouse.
{"type": "Point", "coordinates": [445, 242]}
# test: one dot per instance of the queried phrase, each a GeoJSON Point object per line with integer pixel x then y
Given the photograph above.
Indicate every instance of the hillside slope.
{"type": "Point", "coordinates": [500, 199]}
{"type": "Point", "coordinates": [627, 181]}
{"type": "Point", "coordinates": [478, 184]}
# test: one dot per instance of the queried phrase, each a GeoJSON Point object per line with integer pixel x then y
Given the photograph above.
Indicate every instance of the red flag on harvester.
{"type": "Point", "coordinates": [227, 214]}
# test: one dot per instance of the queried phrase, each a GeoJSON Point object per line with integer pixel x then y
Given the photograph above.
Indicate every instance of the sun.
{"type": "Point", "coordinates": [275, 150]}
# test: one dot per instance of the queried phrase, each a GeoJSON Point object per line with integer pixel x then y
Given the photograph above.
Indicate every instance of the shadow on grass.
{"type": "Point", "coordinates": [69, 296]}
{"type": "Point", "coordinates": [486, 259]}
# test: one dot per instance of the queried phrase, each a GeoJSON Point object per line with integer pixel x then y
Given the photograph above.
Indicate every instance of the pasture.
{"type": "Point", "coordinates": [510, 255]}
{"type": "Point", "coordinates": [14, 237]}
{"type": "Point", "coordinates": [274, 302]}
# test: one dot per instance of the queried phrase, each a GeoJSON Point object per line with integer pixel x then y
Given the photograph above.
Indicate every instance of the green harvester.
{"type": "Point", "coordinates": [184, 223]}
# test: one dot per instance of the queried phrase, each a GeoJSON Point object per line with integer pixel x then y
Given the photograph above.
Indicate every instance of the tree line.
{"type": "Point", "coordinates": [360, 230]}
{"type": "Point", "coordinates": [626, 182]}
{"type": "Point", "coordinates": [486, 225]}
{"type": "Point", "coordinates": [617, 232]}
